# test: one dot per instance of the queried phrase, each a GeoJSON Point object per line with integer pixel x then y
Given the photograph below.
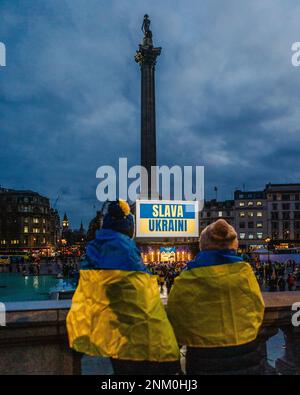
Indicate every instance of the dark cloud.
{"type": "Point", "coordinates": [227, 93]}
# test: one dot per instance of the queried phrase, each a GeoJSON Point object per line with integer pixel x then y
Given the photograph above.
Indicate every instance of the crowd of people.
{"type": "Point", "coordinates": [271, 276]}
{"type": "Point", "coordinates": [62, 266]}
{"type": "Point", "coordinates": [276, 276]}
{"type": "Point", "coordinates": [166, 273]}
{"type": "Point", "coordinates": [126, 320]}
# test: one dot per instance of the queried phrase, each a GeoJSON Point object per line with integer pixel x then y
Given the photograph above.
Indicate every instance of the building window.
{"type": "Point", "coordinates": [251, 225]}
{"type": "Point", "coordinates": [14, 242]}
{"type": "Point", "coordinates": [242, 225]}
{"type": "Point", "coordinates": [286, 215]}
{"type": "Point", "coordinates": [26, 229]}
{"type": "Point", "coordinates": [285, 206]}
{"type": "Point", "coordinates": [242, 214]}
{"type": "Point", "coordinates": [259, 224]}
{"type": "Point", "coordinates": [259, 203]}
{"type": "Point", "coordinates": [286, 235]}
{"type": "Point", "coordinates": [242, 236]}
{"type": "Point", "coordinates": [35, 220]}
{"type": "Point", "coordinates": [3, 242]}
{"type": "Point", "coordinates": [259, 235]}
{"type": "Point", "coordinates": [242, 204]}
{"type": "Point", "coordinates": [259, 214]}
{"type": "Point", "coordinates": [251, 236]}
{"type": "Point", "coordinates": [286, 225]}
{"type": "Point", "coordinates": [220, 214]}
{"type": "Point", "coordinates": [250, 214]}
{"type": "Point", "coordinates": [36, 230]}
{"type": "Point", "coordinates": [286, 197]}
{"type": "Point", "coordinates": [250, 204]}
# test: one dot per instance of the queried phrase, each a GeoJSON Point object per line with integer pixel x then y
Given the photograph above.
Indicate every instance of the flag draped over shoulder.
{"type": "Point", "coordinates": [216, 302]}
{"type": "Point", "coordinates": [116, 309]}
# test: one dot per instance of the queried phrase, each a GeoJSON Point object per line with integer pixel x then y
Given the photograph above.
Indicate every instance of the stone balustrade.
{"type": "Point", "coordinates": [35, 339]}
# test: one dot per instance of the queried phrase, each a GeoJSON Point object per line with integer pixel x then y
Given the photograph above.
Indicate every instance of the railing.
{"type": "Point", "coordinates": [35, 339]}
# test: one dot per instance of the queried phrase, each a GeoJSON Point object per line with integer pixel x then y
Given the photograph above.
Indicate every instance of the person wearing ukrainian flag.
{"type": "Point", "coordinates": [116, 310]}
{"type": "Point", "coordinates": [216, 307]}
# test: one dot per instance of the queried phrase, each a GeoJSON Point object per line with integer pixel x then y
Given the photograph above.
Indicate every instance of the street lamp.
{"type": "Point", "coordinates": [268, 241]}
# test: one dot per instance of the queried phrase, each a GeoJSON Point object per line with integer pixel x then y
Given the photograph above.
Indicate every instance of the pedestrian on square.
{"type": "Point", "coordinates": [216, 307]}
{"type": "Point", "coordinates": [281, 284]}
{"type": "Point", "coordinates": [116, 310]}
{"type": "Point", "coordinates": [273, 282]}
{"type": "Point", "coordinates": [161, 280]}
{"type": "Point", "coordinates": [291, 281]}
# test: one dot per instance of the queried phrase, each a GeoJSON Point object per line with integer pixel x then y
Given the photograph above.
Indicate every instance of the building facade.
{"type": "Point", "coordinates": [214, 210]}
{"type": "Point", "coordinates": [250, 208]}
{"type": "Point", "coordinates": [261, 218]}
{"type": "Point", "coordinates": [283, 206]}
{"type": "Point", "coordinates": [27, 222]}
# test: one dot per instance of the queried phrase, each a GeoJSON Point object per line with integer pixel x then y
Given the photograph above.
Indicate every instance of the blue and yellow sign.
{"type": "Point", "coordinates": [168, 218]}
{"type": "Point", "coordinates": [167, 254]}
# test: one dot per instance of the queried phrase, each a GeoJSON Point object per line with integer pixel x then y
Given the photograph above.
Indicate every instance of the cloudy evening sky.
{"type": "Point", "coordinates": [228, 96]}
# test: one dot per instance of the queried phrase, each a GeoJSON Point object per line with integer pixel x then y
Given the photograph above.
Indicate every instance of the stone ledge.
{"type": "Point", "coordinates": [35, 339]}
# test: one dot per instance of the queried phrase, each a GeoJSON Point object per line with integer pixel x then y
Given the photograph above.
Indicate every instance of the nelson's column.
{"type": "Point", "coordinates": [146, 57]}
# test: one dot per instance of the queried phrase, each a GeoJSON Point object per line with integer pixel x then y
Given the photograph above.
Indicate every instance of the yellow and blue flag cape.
{"type": "Point", "coordinates": [216, 302]}
{"type": "Point", "coordinates": [116, 309]}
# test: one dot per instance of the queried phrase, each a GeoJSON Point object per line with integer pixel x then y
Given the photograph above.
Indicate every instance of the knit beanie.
{"type": "Point", "coordinates": [119, 218]}
{"type": "Point", "coordinates": [219, 236]}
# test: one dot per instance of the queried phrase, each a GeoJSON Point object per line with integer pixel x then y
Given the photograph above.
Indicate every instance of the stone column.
{"type": "Point", "coordinates": [146, 57]}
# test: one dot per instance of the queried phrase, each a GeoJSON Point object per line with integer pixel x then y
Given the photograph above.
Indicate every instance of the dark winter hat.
{"type": "Point", "coordinates": [218, 236]}
{"type": "Point", "coordinates": [119, 218]}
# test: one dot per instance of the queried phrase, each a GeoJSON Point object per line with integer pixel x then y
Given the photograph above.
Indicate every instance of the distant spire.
{"type": "Point", "coordinates": [81, 229]}
{"type": "Point", "coordinates": [65, 222]}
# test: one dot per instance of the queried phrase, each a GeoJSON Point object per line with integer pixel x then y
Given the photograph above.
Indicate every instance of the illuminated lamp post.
{"type": "Point", "coordinates": [268, 241]}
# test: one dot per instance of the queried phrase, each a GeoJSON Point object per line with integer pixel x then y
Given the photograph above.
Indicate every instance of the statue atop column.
{"type": "Point", "coordinates": [146, 57]}
{"type": "Point", "coordinates": [146, 27]}
{"type": "Point", "coordinates": [147, 53]}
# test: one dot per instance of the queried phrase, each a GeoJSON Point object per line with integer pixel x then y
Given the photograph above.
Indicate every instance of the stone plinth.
{"type": "Point", "coordinates": [35, 340]}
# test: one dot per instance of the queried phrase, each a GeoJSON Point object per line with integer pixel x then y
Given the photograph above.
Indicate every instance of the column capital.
{"type": "Point", "coordinates": [147, 54]}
